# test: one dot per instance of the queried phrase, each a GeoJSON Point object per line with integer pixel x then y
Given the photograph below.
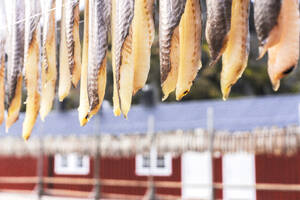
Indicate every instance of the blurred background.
{"type": "Point", "coordinates": [200, 148]}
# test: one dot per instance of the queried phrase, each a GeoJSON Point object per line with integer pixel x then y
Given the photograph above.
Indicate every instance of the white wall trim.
{"type": "Point", "coordinates": [68, 164]}
{"type": "Point", "coordinates": [153, 169]}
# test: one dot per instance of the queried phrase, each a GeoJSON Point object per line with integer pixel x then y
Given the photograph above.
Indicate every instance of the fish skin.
{"type": "Point", "coordinates": [266, 14]}
{"type": "Point", "coordinates": [190, 47]}
{"type": "Point", "coordinates": [73, 39]}
{"type": "Point", "coordinates": [237, 45]}
{"type": "Point", "coordinates": [169, 18]}
{"type": "Point", "coordinates": [284, 55]}
{"type": "Point", "coordinates": [15, 62]}
{"type": "Point", "coordinates": [64, 70]}
{"type": "Point", "coordinates": [143, 32]}
{"type": "Point", "coordinates": [122, 16]}
{"type": "Point", "coordinates": [83, 108]}
{"type": "Point", "coordinates": [3, 35]}
{"type": "Point", "coordinates": [31, 64]}
{"type": "Point", "coordinates": [116, 105]}
{"type": "Point", "coordinates": [2, 87]}
{"type": "Point", "coordinates": [49, 71]}
{"type": "Point", "coordinates": [217, 27]}
{"type": "Point", "coordinates": [98, 38]}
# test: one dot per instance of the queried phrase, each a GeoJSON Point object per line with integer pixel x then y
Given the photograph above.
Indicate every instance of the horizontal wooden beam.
{"type": "Point", "coordinates": [144, 184]}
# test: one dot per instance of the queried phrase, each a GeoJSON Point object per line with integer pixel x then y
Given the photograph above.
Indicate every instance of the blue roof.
{"type": "Point", "coordinates": [232, 115]}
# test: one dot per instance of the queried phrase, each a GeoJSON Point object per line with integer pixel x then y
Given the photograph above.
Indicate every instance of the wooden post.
{"type": "Point", "coordinates": [299, 114]}
{"type": "Point", "coordinates": [40, 166]}
{"type": "Point", "coordinates": [151, 133]}
{"type": "Point", "coordinates": [210, 130]}
{"type": "Point", "coordinates": [97, 156]}
{"type": "Point", "coordinates": [97, 186]}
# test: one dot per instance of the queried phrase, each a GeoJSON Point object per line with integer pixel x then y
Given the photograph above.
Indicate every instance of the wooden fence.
{"type": "Point", "coordinates": [129, 183]}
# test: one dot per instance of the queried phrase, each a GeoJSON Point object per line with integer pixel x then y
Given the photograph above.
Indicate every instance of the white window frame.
{"type": "Point", "coordinates": [153, 170]}
{"type": "Point", "coordinates": [71, 168]}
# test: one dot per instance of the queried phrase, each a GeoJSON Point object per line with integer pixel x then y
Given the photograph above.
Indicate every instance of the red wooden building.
{"type": "Point", "coordinates": [248, 163]}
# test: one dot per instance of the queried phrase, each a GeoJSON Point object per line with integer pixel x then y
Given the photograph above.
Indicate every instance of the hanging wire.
{"type": "Point", "coordinates": [36, 15]}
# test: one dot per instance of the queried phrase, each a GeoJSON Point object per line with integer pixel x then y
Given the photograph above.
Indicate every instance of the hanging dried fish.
{"type": "Point", "coordinates": [143, 32]}
{"type": "Point", "coordinates": [31, 64]}
{"type": "Point", "coordinates": [64, 70]}
{"type": "Point", "coordinates": [83, 108]}
{"type": "Point", "coordinates": [73, 39]}
{"type": "Point", "coordinates": [190, 47]}
{"type": "Point", "coordinates": [123, 68]}
{"type": "Point", "coordinates": [266, 13]}
{"type": "Point", "coordinates": [235, 56]}
{"type": "Point", "coordinates": [217, 27]}
{"type": "Point", "coordinates": [284, 54]}
{"type": "Point", "coordinates": [99, 26]}
{"type": "Point", "coordinates": [170, 12]}
{"type": "Point", "coordinates": [49, 71]}
{"type": "Point", "coordinates": [3, 35]}
{"type": "Point", "coordinates": [15, 62]}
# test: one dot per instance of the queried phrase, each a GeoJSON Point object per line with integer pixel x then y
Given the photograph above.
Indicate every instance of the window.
{"type": "Point", "coordinates": [153, 164]}
{"type": "Point", "coordinates": [72, 164]}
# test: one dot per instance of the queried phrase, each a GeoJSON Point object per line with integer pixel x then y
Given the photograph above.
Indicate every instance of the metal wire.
{"type": "Point", "coordinates": [36, 15]}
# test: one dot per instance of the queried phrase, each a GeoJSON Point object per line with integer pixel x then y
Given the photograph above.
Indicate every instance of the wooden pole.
{"type": "Point", "coordinates": [40, 166]}
{"type": "Point", "coordinates": [299, 114]}
{"type": "Point", "coordinates": [97, 156]}
{"type": "Point", "coordinates": [151, 133]}
{"type": "Point", "coordinates": [97, 186]}
{"type": "Point", "coordinates": [210, 130]}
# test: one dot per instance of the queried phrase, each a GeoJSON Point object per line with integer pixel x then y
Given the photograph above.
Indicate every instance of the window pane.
{"type": "Point", "coordinates": [79, 162]}
{"type": "Point", "coordinates": [64, 161]}
{"type": "Point", "coordinates": [146, 161]}
{"type": "Point", "coordinates": [160, 163]}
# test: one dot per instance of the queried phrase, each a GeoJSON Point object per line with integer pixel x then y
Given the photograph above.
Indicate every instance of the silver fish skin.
{"type": "Point", "coordinates": [217, 26]}
{"type": "Point", "coordinates": [170, 12]}
{"type": "Point", "coordinates": [16, 48]}
{"type": "Point", "coordinates": [32, 20]}
{"type": "Point", "coordinates": [3, 30]}
{"type": "Point", "coordinates": [266, 14]}
{"type": "Point", "coordinates": [69, 10]}
{"type": "Point", "coordinates": [99, 22]}
{"type": "Point", "coordinates": [124, 16]}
